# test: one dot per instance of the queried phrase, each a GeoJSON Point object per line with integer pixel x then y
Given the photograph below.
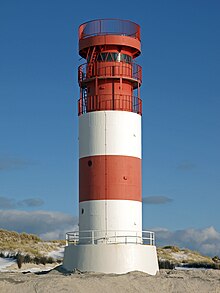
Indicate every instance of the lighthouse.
{"type": "Point", "coordinates": [110, 238]}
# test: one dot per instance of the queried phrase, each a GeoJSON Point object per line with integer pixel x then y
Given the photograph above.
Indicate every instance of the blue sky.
{"type": "Point", "coordinates": [181, 104]}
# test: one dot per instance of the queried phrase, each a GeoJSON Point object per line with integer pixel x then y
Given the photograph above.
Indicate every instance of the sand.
{"type": "Point", "coordinates": [56, 280]}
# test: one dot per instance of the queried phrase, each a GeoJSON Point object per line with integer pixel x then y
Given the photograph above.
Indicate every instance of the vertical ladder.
{"type": "Point", "coordinates": [91, 62]}
{"type": "Point", "coordinates": [84, 99]}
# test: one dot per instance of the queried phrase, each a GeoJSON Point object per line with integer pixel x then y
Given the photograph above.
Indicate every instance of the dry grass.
{"type": "Point", "coordinates": [176, 256]}
{"type": "Point", "coordinates": [12, 242]}
{"type": "Point", "coordinates": [31, 246]}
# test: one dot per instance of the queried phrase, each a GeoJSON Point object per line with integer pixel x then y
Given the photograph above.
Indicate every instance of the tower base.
{"type": "Point", "coordinates": [111, 258]}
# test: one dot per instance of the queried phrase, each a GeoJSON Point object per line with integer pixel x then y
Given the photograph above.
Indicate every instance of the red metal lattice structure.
{"type": "Point", "coordinates": [110, 76]}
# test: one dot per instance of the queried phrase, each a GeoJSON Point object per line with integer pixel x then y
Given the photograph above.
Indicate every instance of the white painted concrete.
{"type": "Point", "coordinates": [110, 215]}
{"type": "Point", "coordinates": [110, 133]}
{"type": "Point", "coordinates": [111, 258]}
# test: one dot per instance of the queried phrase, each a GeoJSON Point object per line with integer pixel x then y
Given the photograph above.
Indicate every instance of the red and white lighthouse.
{"type": "Point", "coordinates": [110, 237]}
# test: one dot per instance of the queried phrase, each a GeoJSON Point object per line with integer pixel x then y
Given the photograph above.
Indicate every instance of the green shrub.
{"type": "Point", "coordinates": [20, 260]}
{"type": "Point", "coordinates": [216, 259]}
{"type": "Point", "coordinates": [200, 265]}
{"type": "Point", "coordinates": [166, 264]}
{"type": "Point", "coordinates": [27, 258]}
{"type": "Point", "coordinates": [36, 260]}
{"type": "Point", "coordinates": [172, 248]}
{"type": "Point", "coordinates": [43, 260]}
{"type": "Point", "coordinates": [50, 260]}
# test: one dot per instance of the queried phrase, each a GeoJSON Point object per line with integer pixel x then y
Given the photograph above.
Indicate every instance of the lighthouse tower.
{"type": "Point", "coordinates": [110, 237]}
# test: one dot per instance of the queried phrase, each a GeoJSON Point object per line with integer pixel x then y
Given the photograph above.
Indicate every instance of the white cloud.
{"type": "Point", "coordinates": [206, 241]}
{"type": "Point", "coordinates": [31, 202]}
{"type": "Point", "coordinates": [10, 203]}
{"type": "Point", "coordinates": [7, 203]}
{"type": "Point", "coordinates": [10, 163]}
{"type": "Point", "coordinates": [156, 199]}
{"type": "Point", "coordinates": [53, 225]}
{"type": "Point", "coordinates": [46, 224]}
{"type": "Point", "coordinates": [186, 166]}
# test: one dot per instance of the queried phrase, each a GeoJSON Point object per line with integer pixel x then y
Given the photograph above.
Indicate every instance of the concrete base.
{"type": "Point", "coordinates": [111, 258]}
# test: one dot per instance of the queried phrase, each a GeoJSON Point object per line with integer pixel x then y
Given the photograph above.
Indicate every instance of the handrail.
{"type": "Point", "coordinates": [132, 70]}
{"type": "Point", "coordinates": [108, 102]}
{"type": "Point", "coordinates": [110, 237]}
{"type": "Point", "coordinates": [109, 26]}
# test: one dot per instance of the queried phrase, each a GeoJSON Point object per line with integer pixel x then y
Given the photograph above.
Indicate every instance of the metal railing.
{"type": "Point", "coordinates": [133, 71]}
{"type": "Point", "coordinates": [108, 102]}
{"type": "Point", "coordinates": [109, 27]}
{"type": "Point", "coordinates": [110, 237]}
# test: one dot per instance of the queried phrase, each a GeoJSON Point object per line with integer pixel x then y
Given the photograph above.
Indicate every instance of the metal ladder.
{"type": "Point", "coordinates": [91, 62]}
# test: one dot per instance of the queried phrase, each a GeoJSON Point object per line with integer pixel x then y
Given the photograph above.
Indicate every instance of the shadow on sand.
{"type": "Point", "coordinates": [58, 269]}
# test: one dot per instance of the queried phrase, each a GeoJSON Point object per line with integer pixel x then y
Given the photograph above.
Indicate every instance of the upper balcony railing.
{"type": "Point", "coordinates": [109, 27]}
{"type": "Point", "coordinates": [126, 70]}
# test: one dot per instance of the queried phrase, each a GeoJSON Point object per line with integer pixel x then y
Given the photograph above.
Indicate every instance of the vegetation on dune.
{"type": "Point", "coordinates": [29, 248]}
{"type": "Point", "coordinates": [21, 259]}
{"type": "Point", "coordinates": [172, 256]}
{"type": "Point", "coordinates": [6, 235]}
{"type": "Point", "coordinates": [13, 243]}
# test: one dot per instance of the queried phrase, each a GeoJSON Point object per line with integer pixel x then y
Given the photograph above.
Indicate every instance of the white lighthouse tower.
{"type": "Point", "coordinates": [110, 237]}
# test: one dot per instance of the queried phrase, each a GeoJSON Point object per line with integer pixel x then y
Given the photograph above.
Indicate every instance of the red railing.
{"type": "Point", "coordinates": [109, 27]}
{"type": "Point", "coordinates": [108, 102]}
{"type": "Point", "coordinates": [133, 71]}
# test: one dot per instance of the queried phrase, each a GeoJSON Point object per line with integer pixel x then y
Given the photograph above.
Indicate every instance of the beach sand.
{"type": "Point", "coordinates": [56, 280]}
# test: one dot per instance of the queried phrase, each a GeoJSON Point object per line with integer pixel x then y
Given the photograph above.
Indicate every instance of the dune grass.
{"type": "Point", "coordinates": [30, 248]}
{"type": "Point", "coordinates": [171, 256]}
{"type": "Point", "coordinates": [12, 243]}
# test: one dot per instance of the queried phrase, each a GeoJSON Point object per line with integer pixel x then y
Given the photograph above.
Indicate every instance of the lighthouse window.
{"type": "Point", "coordinates": [119, 57]}
{"type": "Point", "coordinates": [109, 57]}
{"type": "Point", "coordinates": [114, 56]}
{"type": "Point", "coordinates": [82, 211]}
{"type": "Point", "coordinates": [89, 163]}
{"type": "Point", "coordinates": [123, 58]}
{"type": "Point", "coordinates": [99, 58]}
{"type": "Point", "coordinates": [103, 55]}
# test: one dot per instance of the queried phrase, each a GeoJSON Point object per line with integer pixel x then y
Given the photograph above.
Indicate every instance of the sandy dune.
{"type": "Point", "coordinates": [206, 281]}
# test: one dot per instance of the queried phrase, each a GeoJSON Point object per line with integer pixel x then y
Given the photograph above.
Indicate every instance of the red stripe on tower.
{"type": "Point", "coordinates": [110, 177]}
